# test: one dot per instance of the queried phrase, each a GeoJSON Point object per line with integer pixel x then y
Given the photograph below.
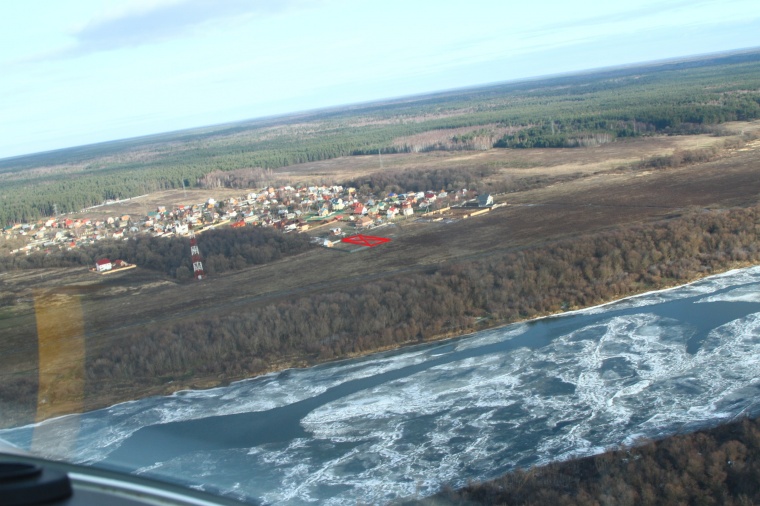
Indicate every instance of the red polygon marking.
{"type": "Point", "coordinates": [365, 240]}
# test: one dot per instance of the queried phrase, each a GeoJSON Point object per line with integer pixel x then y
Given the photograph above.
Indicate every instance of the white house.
{"type": "Point", "coordinates": [103, 265]}
{"type": "Point", "coordinates": [485, 200]}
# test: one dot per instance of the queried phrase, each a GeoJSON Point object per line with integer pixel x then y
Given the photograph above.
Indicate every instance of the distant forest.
{"type": "Point", "coordinates": [578, 110]}
{"type": "Point", "coordinates": [436, 179]}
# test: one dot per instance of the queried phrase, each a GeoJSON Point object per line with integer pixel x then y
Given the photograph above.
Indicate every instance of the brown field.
{"type": "Point", "coordinates": [510, 162]}
{"type": "Point", "coordinates": [140, 206]}
{"type": "Point", "coordinates": [607, 195]}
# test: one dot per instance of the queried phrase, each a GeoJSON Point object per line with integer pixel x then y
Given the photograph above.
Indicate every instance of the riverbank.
{"type": "Point", "coordinates": [720, 465]}
{"type": "Point", "coordinates": [396, 424]}
{"type": "Point", "coordinates": [302, 363]}
{"type": "Point", "coordinates": [218, 341]}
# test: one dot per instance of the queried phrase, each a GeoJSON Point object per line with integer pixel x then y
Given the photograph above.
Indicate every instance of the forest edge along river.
{"type": "Point", "coordinates": [405, 422]}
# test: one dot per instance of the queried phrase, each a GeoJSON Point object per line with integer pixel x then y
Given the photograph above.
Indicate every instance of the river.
{"type": "Point", "coordinates": [402, 423]}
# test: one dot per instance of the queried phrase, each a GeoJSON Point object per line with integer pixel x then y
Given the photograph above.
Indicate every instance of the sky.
{"type": "Point", "coordinates": [85, 71]}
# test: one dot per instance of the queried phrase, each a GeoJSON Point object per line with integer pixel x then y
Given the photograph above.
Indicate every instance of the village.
{"type": "Point", "coordinates": [327, 212]}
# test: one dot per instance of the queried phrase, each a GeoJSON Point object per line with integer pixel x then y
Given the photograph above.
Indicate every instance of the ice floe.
{"type": "Point", "coordinates": [403, 423]}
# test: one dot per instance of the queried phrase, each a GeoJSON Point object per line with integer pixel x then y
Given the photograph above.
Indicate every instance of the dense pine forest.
{"type": "Point", "coordinates": [569, 111]}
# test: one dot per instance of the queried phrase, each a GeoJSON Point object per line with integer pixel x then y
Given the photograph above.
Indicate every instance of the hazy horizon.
{"type": "Point", "coordinates": [369, 103]}
{"type": "Point", "coordinates": [93, 71]}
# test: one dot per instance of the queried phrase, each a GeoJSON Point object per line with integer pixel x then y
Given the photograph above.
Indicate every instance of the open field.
{"type": "Point", "coordinates": [140, 206]}
{"type": "Point", "coordinates": [605, 197]}
{"type": "Point", "coordinates": [509, 162]}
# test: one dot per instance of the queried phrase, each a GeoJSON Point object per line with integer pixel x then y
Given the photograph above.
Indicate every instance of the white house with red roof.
{"type": "Point", "coordinates": [103, 265]}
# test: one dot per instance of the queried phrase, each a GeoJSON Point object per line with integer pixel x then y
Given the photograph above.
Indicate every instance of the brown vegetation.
{"type": "Point", "coordinates": [716, 466]}
{"type": "Point", "coordinates": [239, 178]}
{"type": "Point", "coordinates": [415, 307]}
{"type": "Point", "coordinates": [222, 249]}
{"type": "Point", "coordinates": [421, 306]}
{"type": "Point", "coordinates": [453, 139]}
{"type": "Point", "coordinates": [557, 246]}
{"type": "Point", "coordinates": [681, 157]}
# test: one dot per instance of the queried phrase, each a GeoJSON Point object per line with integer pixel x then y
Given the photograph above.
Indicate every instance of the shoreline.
{"type": "Point", "coordinates": [210, 384]}
{"type": "Point", "coordinates": [255, 398]}
{"type": "Point", "coordinates": [445, 337]}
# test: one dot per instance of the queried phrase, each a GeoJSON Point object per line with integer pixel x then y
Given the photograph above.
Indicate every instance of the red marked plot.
{"type": "Point", "coordinates": [365, 240]}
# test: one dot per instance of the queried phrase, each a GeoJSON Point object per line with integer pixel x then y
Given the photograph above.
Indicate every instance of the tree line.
{"type": "Point", "coordinates": [450, 299]}
{"type": "Point", "coordinates": [447, 300]}
{"type": "Point", "coordinates": [222, 250]}
{"type": "Point", "coordinates": [720, 465]}
{"type": "Point", "coordinates": [567, 111]}
{"type": "Point", "coordinates": [454, 178]}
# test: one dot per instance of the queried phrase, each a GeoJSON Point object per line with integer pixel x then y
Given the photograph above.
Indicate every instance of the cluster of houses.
{"type": "Point", "coordinates": [286, 208]}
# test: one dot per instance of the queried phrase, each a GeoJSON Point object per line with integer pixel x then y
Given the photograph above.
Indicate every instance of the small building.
{"type": "Point", "coordinates": [364, 222]}
{"type": "Point", "coordinates": [485, 200]}
{"type": "Point", "coordinates": [322, 241]}
{"type": "Point", "coordinates": [103, 265]}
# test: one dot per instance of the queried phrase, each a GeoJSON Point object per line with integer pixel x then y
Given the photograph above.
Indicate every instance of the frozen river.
{"type": "Point", "coordinates": [403, 423]}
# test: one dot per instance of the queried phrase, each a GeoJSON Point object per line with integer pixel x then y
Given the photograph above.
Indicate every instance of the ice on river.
{"type": "Point", "coordinates": [468, 409]}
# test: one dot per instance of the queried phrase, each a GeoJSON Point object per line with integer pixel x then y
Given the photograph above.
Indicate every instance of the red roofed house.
{"type": "Point", "coordinates": [103, 265]}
